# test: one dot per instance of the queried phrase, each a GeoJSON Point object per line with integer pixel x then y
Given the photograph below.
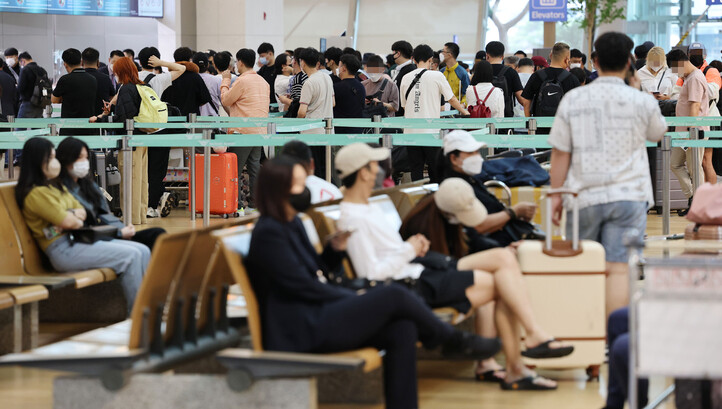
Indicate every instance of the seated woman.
{"type": "Point", "coordinates": [505, 225]}
{"type": "Point", "coordinates": [301, 313]}
{"type": "Point", "coordinates": [74, 173]}
{"type": "Point", "coordinates": [51, 212]}
{"type": "Point", "coordinates": [441, 217]}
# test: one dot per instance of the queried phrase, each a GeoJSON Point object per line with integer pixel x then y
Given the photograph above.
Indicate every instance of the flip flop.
{"type": "Point", "coordinates": [544, 350]}
{"type": "Point", "coordinates": [526, 384]}
{"type": "Point", "coordinates": [490, 376]}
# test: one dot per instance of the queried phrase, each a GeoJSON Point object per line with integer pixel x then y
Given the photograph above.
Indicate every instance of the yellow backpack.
{"type": "Point", "coordinates": [152, 109]}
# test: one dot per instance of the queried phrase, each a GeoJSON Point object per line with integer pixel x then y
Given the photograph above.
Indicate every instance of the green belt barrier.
{"type": "Point", "coordinates": [681, 143]}
{"type": "Point", "coordinates": [24, 135]}
{"type": "Point", "coordinates": [177, 119]}
{"type": "Point", "coordinates": [449, 113]}
{"type": "Point", "coordinates": [68, 123]}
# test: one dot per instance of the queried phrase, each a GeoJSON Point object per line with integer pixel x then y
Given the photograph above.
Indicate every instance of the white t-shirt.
{"type": "Point", "coordinates": [663, 81]}
{"type": "Point", "coordinates": [280, 86]}
{"type": "Point", "coordinates": [519, 108]}
{"type": "Point", "coordinates": [159, 83]}
{"type": "Point", "coordinates": [377, 251]}
{"type": "Point", "coordinates": [213, 83]}
{"type": "Point", "coordinates": [425, 99]}
{"type": "Point", "coordinates": [322, 191]}
{"type": "Point", "coordinates": [495, 102]}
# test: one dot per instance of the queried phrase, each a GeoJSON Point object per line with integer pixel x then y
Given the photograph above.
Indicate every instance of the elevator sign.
{"type": "Point", "coordinates": [714, 2]}
{"type": "Point", "coordinates": [549, 10]}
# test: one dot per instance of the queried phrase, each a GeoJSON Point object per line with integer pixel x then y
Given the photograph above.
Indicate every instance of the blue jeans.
{"type": "Point", "coordinates": [129, 260]}
{"type": "Point", "coordinates": [28, 110]}
{"type": "Point", "coordinates": [608, 223]}
{"type": "Point", "coordinates": [618, 338]}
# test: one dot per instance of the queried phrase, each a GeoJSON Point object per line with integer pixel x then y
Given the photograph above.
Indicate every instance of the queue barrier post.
{"type": "Point", "coordinates": [53, 129]}
{"type": "Point", "coordinates": [10, 154]}
{"type": "Point", "coordinates": [271, 130]}
{"type": "Point", "coordinates": [696, 164]}
{"type": "Point", "coordinates": [666, 161]}
{"type": "Point", "coordinates": [376, 118]}
{"type": "Point", "coordinates": [127, 153]}
{"type": "Point", "coordinates": [492, 131]}
{"type": "Point", "coordinates": [206, 179]}
{"type": "Point", "coordinates": [329, 165]}
{"type": "Point", "coordinates": [192, 173]}
{"type": "Point", "coordinates": [531, 126]}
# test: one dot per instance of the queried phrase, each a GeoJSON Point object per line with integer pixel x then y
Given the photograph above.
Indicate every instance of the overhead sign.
{"type": "Point", "coordinates": [714, 2]}
{"type": "Point", "coordinates": [123, 8]}
{"type": "Point", "coordinates": [550, 10]}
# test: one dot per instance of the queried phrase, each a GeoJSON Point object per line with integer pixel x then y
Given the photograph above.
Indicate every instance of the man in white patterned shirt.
{"type": "Point", "coordinates": [599, 148]}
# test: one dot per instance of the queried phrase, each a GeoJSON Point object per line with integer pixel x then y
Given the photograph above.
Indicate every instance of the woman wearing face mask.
{"type": "Point", "coordinates": [283, 69]}
{"type": "Point", "coordinates": [50, 212]}
{"type": "Point", "coordinates": [505, 225]}
{"type": "Point", "coordinates": [75, 175]}
{"type": "Point", "coordinates": [302, 313]}
{"type": "Point", "coordinates": [656, 78]}
{"type": "Point", "coordinates": [380, 88]}
{"type": "Point", "coordinates": [441, 217]}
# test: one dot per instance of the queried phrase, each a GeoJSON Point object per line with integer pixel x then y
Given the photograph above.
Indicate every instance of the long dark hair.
{"type": "Point", "coordinates": [483, 72]}
{"type": "Point", "coordinates": [273, 187]}
{"type": "Point", "coordinates": [444, 167]}
{"type": "Point", "coordinates": [68, 151]}
{"type": "Point", "coordinates": [427, 219]}
{"type": "Point", "coordinates": [36, 154]}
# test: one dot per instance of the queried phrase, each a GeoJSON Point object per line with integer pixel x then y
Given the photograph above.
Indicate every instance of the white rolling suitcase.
{"type": "Point", "coordinates": [566, 283]}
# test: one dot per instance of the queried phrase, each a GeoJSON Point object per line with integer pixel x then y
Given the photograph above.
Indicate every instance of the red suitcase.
{"type": "Point", "coordinates": [224, 184]}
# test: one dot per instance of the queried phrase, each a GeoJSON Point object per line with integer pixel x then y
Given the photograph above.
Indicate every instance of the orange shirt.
{"type": "Point", "coordinates": [712, 76]}
{"type": "Point", "coordinates": [249, 97]}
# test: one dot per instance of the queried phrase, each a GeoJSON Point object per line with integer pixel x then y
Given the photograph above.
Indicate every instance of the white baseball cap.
{"type": "Point", "coordinates": [463, 141]}
{"type": "Point", "coordinates": [456, 197]}
{"type": "Point", "coordinates": [353, 157]}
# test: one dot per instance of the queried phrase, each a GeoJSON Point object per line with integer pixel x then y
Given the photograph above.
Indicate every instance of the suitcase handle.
{"type": "Point", "coordinates": [563, 248]}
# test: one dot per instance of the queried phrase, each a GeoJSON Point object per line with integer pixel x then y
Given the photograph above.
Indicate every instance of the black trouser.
{"type": "Point", "coordinates": [420, 156]}
{"type": "Point", "coordinates": [319, 159]}
{"type": "Point", "coordinates": [157, 169]}
{"type": "Point", "coordinates": [389, 318]}
{"type": "Point", "coordinates": [148, 236]}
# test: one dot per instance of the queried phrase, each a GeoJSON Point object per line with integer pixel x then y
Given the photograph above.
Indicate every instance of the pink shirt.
{"type": "Point", "coordinates": [694, 90]}
{"type": "Point", "coordinates": [249, 97]}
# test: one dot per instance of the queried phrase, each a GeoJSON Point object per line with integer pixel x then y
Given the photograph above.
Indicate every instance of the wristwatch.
{"type": "Point", "coordinates": [510, 212]}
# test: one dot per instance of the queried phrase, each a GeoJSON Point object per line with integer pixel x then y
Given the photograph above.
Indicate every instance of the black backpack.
{"type": "Point", "coordinates": [500, 81]}
{"type": "Point", "coordinates": [550, 94]}
{"type": "Point", "coordinates": [373, 108]}
{"type": "Point", "coordinates": [42, 90]}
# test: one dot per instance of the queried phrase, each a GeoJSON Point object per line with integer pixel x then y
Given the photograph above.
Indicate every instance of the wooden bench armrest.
{"type": "Point", "coordinates": [88, 278]}
{"type": "Point", "coordinates": [269, 364]}
{"type": "Point", "coordinates": [28, 293]}
{"type": "Point", "coordinates": [6, 299]}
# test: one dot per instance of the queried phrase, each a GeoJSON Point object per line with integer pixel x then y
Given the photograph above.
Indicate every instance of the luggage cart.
{"type": "Point", "coordinates": [674, 314]}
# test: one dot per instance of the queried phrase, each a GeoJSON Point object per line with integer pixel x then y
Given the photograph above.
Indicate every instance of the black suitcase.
{"type": "Point", "coordinates": [697, 394]}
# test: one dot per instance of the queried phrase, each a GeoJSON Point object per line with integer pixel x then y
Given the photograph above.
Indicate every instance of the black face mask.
{"type": "Point", "coordinates": [696, 60]}
{"type": "Point", "coordinates": [302, 201]}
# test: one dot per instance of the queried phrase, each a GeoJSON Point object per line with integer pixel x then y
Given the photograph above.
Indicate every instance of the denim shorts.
{"type": "Point", "coordinates": [609, 223]}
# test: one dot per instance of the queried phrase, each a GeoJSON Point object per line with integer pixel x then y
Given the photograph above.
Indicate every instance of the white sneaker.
{"type": "Point", "coordinates": [165, 206]}
{"type": "Point", "coordinates": [152, 213]}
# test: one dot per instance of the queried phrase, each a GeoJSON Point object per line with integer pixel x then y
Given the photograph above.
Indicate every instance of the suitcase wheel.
{"type": "Point", "coordinates": [118, 213]}
{"type": "Point", "coordinates": [224, 216]}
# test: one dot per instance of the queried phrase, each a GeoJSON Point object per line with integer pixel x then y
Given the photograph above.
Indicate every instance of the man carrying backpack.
{"type": "Point", "coordinates": [504, 77]}
{"type": "Point", "coordinates": [546, 87]}
{"type": "Point", "coordinates": [34, 88]}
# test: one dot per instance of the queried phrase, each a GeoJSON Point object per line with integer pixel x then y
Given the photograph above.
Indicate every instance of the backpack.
{"type": "Point", "coordinates": [42, 90]}
{"type": "Point", "coordinates": [151, 109]}
{"type": "Point", "coordinates": [550, 94]}
{"type": "Point", "coordinates": [499, 81]}
{"type": "Point", "coordinates": [480, 110]}
{"type": "Point", "coordinates": [372, 108]}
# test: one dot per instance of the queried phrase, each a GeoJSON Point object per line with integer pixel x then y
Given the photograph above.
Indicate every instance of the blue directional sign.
{"type": "Point", "coordinates": [714, 2]}
{"type": "Point", "coordinates": [553, 10]}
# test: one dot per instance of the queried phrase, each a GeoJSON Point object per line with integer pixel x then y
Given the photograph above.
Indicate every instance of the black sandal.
{"type": "Point", "coordinates": [544, 350]}
{"type": "Point", "coordinates": [490, 376]}
{"type": "Point", "coordinates": [526, 384]}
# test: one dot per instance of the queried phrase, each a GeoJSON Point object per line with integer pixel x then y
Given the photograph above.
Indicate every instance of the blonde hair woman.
{"type": "Point", "coordinates": [656, 77]}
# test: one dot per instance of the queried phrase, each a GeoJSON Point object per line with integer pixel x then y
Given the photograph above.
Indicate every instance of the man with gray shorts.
{"type": "Point", "coordinates": [599, 149]}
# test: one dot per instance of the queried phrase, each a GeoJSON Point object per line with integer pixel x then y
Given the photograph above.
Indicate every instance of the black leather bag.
{"type": "Point", "coordinates": [90, 235]}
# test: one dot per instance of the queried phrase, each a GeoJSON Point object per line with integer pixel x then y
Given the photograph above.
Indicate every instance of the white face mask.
{"type": "Point", "coordinates": [375, 76]}
{"type": "Point", "coordinates": [263, 60]}
{"type": "Point", "coordinates": [453, 220]}
{"type": "Point", "coordinates": [442, 56]}
{"type": "Point", "coordinates": [10, 62]}
{"type": "Point", "coordinates": [472, 165]}
{"type": "Point", "coordinates": [655, 67]}
{"type": "Point", "coordinates": [81, 169]}
{"type": "Point", "coordinates": [336, 71]}
{"type": "Point", "coordinates": [52, 170]}
{"type": "Point", "coordinates": [575, 65]}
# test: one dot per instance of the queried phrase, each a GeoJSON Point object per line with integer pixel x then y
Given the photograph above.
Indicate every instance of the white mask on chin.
{"type": "Point", "coordinates": [472, 165]}
{"type": "Point", "coordinates": [573, 66]}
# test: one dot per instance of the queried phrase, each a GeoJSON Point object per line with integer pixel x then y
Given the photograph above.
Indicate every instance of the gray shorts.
{"type": "Point", "coordinates": [608, 224]}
